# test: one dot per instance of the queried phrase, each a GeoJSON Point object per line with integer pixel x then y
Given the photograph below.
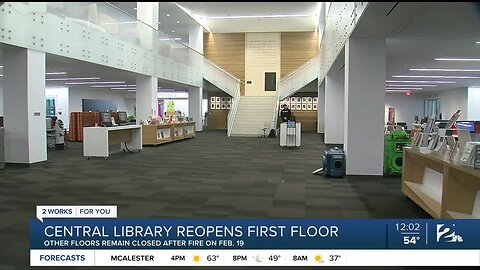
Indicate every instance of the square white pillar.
{"type": "Point", "coordinates": [146, 97]}
{"type": "Point", "coordinates": [334, 108]}
{"type": "Point", "coordinates": [364, 105]}
{"type": "Point", "coordinates": [195, 96]}
{"type": "Point", "coordinates": [321, 108]}
{"type": "Point", "coordinates": [24, 105]}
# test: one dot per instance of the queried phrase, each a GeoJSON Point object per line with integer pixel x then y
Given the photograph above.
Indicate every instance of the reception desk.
{"type": "Point", "coordinates": [165, 133]}
{"type": "Point", "coordinates": [97, 140]}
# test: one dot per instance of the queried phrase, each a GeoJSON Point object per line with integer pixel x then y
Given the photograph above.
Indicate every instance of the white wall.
{"type": "Point", "coordinates": [61, 103]}
{"type": "Point", "coordinates": [76, 96]}
{"type": "Point", "coordinates": [1, 98]}
{"type": "Point", "coordinates": [473, 103]}
{"type": "Point", "coordinates": [406, 107]}
{"type": "Point", "coordinates": [453, 100]}
{"type": "Point", "coordinates": [180, 104]}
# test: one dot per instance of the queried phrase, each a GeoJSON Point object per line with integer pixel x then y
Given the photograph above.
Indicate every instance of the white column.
{"type": "Point", "coordinates": [321, 108]}
{"type": "Point", "coordinates": [147, 86]}
{"type": "Point", "coordinates": [146, 97]}
{"type": "Point", "coordinates": [147, 12]}
{"type": "Point", "coordinates": [334, 112]}
{"type": "Point", "coordinates": [195, 96]}
{"type": "Point", "coordinates": [24, 105]}
{"type": "Point", "coordinates": [364, 105]}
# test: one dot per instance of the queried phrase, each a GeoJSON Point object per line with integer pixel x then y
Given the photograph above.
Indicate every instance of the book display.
{"type": "Point", "coordinates": [167, 132]}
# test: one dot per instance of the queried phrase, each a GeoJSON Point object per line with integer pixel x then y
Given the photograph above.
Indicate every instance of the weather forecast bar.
{"type": "Point", "coordinates": [262, 257]}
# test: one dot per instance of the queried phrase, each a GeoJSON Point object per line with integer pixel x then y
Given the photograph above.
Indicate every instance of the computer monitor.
{"type": "Point", "coordinates": [122, 118]}
{"type": "Point", "coordinates": [468, 125]}
{"type": "Point", "coordinates": [106, 119]}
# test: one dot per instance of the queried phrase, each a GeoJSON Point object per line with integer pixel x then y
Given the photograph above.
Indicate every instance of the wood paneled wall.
{"type": "Point", "coordinates": [227, 50]}
{"type": "Point", "coordinates": [297, 48]}
{"type": "Point", "coordinates": [307, 118]}
{"type": "Point", "coordinates": [217, 119]}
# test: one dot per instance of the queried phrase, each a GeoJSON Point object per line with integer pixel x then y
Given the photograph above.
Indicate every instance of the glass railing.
{"type": "Point", "coordinates": [220, 78]}
{"type": "Point", "coordinates": [233, 111]}
{"type": "Point", "coordinates": [101, 33]}
{"type": "Point", "coordinates": [299, 77]}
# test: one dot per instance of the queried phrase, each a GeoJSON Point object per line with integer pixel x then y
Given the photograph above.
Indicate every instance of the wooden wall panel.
{"type": "Point", "coordinates": [217, 119]}
{"type": "Point", "coordinates": [297, 48]}
{"type": "Point", "coordinates": [227, 50]}
{"type": "Point", "coordinates": [307, 118]}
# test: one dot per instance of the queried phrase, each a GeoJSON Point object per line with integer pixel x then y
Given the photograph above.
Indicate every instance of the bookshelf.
{"type": "Point", "coordinates": [165, 133]}
{"type": "Point", "coordinates": [442, 187]}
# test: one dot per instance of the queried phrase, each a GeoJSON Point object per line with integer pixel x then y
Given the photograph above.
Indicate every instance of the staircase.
{"type": "Point", "coordinates": [300, 77]}
{"type": "Point", "coordinates": [252, 114]}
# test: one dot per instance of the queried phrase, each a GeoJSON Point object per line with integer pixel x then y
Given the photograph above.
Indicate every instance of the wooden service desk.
{"type": "Point", "coordinates": [97, 140]}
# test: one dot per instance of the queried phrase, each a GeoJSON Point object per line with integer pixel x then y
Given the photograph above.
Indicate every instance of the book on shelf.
{"type": "Point", "coordinates": [476, 165]}
{"type": "Point", "coordinates": [468, 154]}
{"type": "Point", "coordinates": [453, 151]}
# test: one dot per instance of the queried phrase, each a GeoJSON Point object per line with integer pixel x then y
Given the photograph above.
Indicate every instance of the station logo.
{"type": "Point", "coordinates": [447, 234]}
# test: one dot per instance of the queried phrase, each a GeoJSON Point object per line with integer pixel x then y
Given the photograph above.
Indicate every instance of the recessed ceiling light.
{"type": "Point", "coordinates": [168, 15]}
{"type": "Point", "coordinates": [420, 81]}
{"type": "Point", "coordinates": [178, 21]}
{"type": "Point", "coordinates": [436, 77]}
{"type": "Point", "coordinates": [457, 59]}
{"type": "Point", "coordinates": [135, 8]}
{"type": "Point", "coordinates": [414, 85]}
{"type": "Point", "coordinates": [445, 69]}
{"type": "Point", "coordinates": [94, 82]}
{"type": "Point", "coordinates": [173, 31]}
{"type": "Point", "coordinates": [72, 79]}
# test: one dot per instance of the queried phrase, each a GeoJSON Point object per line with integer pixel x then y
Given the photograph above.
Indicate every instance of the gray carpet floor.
{"type": "Point", "coordinates": [210, 176]}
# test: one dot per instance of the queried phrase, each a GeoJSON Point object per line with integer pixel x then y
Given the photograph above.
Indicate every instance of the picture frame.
{"type": "Point", "coordinates": [224, 105]}
{"type": "Point", "coordinates": [217, 99]}
{"type": "Point", "coordinates": [229, 99]}
{"type": "Point", "coordinates": [292, 100]}
{"type": "Point", "coordinates": [304, 107]}
{"type": "Point", "coordinates": [229, 105]}
{"type": "Point", "coordinates": [217, 105]}
{"type": "Point", "coordinates": [212, 105]}
{"type": "Point", "coordinates": [315, 100]}
{"type": "Point", "coordinates": [212, 99]}
{"type": "Point", "coordinates": [309, 107]}
{"type": "Point", "coordinates": [314, 106]}
{"type": "Point", "coordinates": [298, 107]}
{"type": "Point", "coordinates": [309, 99]}
{"type": "Point", "coordinates": [304, 99]}
{"type": "Point", "coordinates": [224, 99]}
{"type": "Point", "coordinates": [298, 100]}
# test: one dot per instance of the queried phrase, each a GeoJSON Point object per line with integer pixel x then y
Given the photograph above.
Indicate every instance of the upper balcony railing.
{"type": "Point", "coordinates": [299, 77]}
{"type": "Point", "coordinates": [99, 32]}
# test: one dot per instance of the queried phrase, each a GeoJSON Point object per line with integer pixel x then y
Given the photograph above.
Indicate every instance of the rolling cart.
{"type": "Point", "coordinates": [290, 134]}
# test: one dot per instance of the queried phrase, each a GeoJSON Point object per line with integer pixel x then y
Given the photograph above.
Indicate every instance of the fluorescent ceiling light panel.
{"type": "Point", "coordinates": [92, 82]}
{"type": "Point", "coordinates": [132, 90]}
{"type": "Point", "coordinates": [56, 73]}
{"type": "Point", "coordinates": [261, 16]}
{"type": "Point", "coordinates": [114, 23]}
{"type": "Point", "coordinates": [457, 59]}
{"type": "Point", "coordinates": [412, 85]}
{"type": "Point", "coordinates": [402, 91]}
{"type": "Point", "coordinates": [420, 81]}
{"type": "Point", "coordinates": [436, 77]}
{"type": "Point", "coordinates": [72, 79]}
{"type": "Point", "coordinates": [403, 88]}
{"type": "Point", "coordinates": [112, 85]}
{"type": "Point", "coordinates": [445, 69]}
{"type": "Point", "coordinates": [123, 88]}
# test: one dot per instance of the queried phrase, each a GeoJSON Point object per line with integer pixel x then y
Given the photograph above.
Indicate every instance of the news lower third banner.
{"type": "Point", "coordinates": [94, 236]}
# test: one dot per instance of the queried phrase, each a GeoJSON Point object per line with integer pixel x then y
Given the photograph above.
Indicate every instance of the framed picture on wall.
{"type": "Point", "coordinates": [298, 107]}
{"type": "Point", "coordinates": [217, 99]}
{"type": "Point", "coordinates": [217, 105]}
{"type": "Point", "coordinates": [304, 99]}
{"type": "Point", "coordinates": [212, 105]}
{"type": "Point", "coordinates": [212, 99]}
{"type": "Point", "coordinates": [309, 99]}
{"type": "Point", "coordinates": [292, 100]}
{"type": "Point", "coordinates": [229, 105]}
{"type": "Point", "coordinates": [288, 105]}
{"type": "Point", "coordinates": [309, 107]}
{"type": "Point", "coordinates": [314, 107]}
{"type": "Point", "coordinates": [224, 99]}
{"type": "Point", "coordinates": [315, 100]}
{"type": "Point", "coordinates": [229, 99]}
{"type": "Point", "coordinates": [224, 105]}
{"type": "Point", "coordinates": [304, 107]}
{"type": "Point", "coordinates": [298, 100]}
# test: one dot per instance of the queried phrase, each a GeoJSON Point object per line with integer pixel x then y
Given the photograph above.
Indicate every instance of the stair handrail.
{"type": "Point", "coordinates": [224, 72]}
{"type": "Point", "coordinates": [275, 111]}
{"type": "Point", "coordinates": [300, 72]}
{"type": "Point", "coordinates": [233, 111]}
